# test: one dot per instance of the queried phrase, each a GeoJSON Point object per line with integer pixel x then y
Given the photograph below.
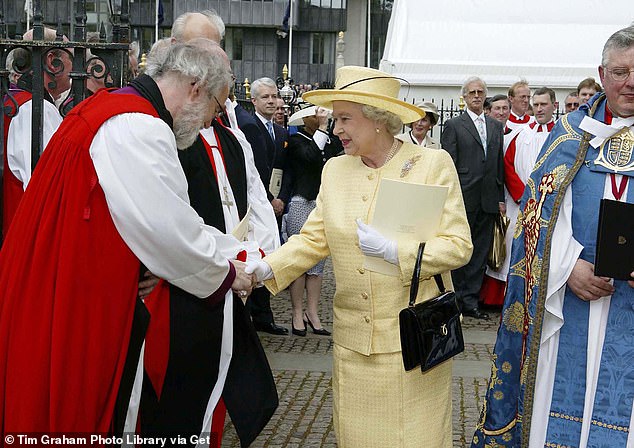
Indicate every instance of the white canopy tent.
{"type": "Point", "coordinates": [554, 43]}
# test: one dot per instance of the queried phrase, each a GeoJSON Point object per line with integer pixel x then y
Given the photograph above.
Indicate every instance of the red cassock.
{"type": "Point", "coordinates": [68, 287]}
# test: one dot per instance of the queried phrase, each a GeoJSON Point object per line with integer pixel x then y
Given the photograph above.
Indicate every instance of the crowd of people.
{"type": "Point", "coordinates": [149, 240]}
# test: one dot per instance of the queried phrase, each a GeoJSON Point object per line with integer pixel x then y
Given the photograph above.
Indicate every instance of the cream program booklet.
{"type": "Point", "coordinates": [405, 211]}
{"type": "Point", "coordinates": [275, 185]}
{"type": "Point", "coordinates": [241, 231]}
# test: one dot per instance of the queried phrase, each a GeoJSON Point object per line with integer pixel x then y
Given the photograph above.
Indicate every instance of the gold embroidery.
{"type": "Point", "coordinates": [616, 153]}
{"type": "Point", "coordinates": [507, 437]}
{"type": "Point", "coordinates": [524, 371]}
{"type": "Point", "coordinates": [494, 381]}
{"type": "Point", "coordinates": [498, 395]}
{"type": "Point", "coordinates": [610, 426]}
{"type": "Point", "coordinates": [566, 417]}
{"type": "Point", "coordinates": [501, 431]}
{"type": "Point", "coordinates": [506, 367]}
{"type": "Point", "coordinates": [555, 445]}
{"type": "Point", "coordinates": [513, 318]}
{"type": "Point", "coordinates": [530, 365]}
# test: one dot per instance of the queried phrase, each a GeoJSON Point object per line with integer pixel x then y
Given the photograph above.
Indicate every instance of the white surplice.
{"type": "Point", "coordinates": [564, 254]}
{"type": "Point", "coordinates": [19, 138]}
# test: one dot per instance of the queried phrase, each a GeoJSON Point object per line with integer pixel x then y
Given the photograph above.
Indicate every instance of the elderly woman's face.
{"type": "Point", "coordinates": [421, 127]}
{"type": "Point", "coordinates": [356, 132]}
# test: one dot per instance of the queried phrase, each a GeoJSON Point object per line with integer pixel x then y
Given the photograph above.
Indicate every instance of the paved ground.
{"type": "Point", "coordinates": [302, 369]}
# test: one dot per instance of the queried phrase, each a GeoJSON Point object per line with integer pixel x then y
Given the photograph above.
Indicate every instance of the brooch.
{"type": "Point", "coordinates": [409, 164]}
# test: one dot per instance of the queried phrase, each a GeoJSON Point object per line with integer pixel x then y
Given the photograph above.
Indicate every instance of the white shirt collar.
{"type": "Point", "coordinates": [474, 117]}
{"type": "Point", "coordinates": [262, 119]}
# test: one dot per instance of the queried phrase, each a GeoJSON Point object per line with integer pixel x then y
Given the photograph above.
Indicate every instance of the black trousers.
{"type": "Point", "coordinates": [467, 280]}
{"type": "Point", "coordinates": [259, 306]}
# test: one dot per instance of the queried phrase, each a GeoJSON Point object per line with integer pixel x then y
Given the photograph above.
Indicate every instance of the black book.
{"type": "Point", "coordinates": [615, 240]}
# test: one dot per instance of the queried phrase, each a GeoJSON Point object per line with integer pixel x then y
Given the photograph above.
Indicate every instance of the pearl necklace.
{"type": "Point", "coordinates": [392, 152]}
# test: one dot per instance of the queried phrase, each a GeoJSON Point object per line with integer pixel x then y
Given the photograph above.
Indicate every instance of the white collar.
{"type": "Point", "coordinates": [474, 117]}
{"type": "Point", "coordinates": [602, 131]}
{"type": "Point", "coordinates": [262, 119]}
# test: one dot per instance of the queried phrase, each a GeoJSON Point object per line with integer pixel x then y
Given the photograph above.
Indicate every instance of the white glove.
{"type": "Point", "coordinates": [373, 244]}
{"type": "Point", "coordinates": [260, 268]}
{"type": "Point", "coordinates": [252, 249]}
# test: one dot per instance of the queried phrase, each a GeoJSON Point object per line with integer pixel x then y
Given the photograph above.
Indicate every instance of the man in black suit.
{"type": "Point", "coordinates": [251, 130]}
{"type": "Point", "coordinates": [475, 143]}
{"type": "Point", "coordinates": [274, 140]}
{"type": "Point", "coordinates": [264, 97]}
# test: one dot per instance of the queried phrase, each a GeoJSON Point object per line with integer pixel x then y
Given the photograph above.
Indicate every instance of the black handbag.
{"type": "Point", "coordinates": [430, 331]}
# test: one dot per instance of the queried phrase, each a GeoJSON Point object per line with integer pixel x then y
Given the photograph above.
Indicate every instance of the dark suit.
{"type": "Point", "coordinates": [276, 153]}
{"type": "Point", "coordinates": [482, 183]}
{"type": "Point", "coordinates": [268, 155]}
{"type": "Point", "coordinates": [251, 130]}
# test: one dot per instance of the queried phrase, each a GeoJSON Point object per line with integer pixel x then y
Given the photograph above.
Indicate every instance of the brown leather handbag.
{"type": "Point", "coordinates": [430, 331]}
{"type": "Point", "coordinates": [498, 250]}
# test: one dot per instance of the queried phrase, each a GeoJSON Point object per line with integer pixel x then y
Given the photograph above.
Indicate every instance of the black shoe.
{"type": "Point", "coordinates": [298, 332]}
{"type": "Point", "coordinates": [270, 328]}
{"type": "Point", "coordinates": [319, 331]}
{"type": "Point", "coordinates": [475, 313]}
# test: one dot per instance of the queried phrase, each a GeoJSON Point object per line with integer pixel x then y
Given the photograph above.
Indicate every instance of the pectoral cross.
{"type": "Point", "coordinates": [227, 200]}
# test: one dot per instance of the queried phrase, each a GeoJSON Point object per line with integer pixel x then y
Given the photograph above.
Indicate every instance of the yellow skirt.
{"type": "Point", "coordinates": [378, 404]}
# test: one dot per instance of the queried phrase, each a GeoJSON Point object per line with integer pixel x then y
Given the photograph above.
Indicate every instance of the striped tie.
{"type": "Point", "coordinates": [481, 131]}
{"type": "Point", "coordinates": [269, 127]}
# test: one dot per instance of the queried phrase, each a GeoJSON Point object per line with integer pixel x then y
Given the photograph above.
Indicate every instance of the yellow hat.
{"type": "Point", "coordinates": [366, 86]}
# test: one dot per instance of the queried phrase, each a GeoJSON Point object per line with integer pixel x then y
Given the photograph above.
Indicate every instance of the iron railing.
{"type": "Point", "coordinates": [105, 60]}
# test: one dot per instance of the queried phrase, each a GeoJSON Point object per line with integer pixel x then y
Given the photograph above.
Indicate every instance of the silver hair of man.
{"type": "Point", "coordinates": [178, 27]}
{"type": "Point", "coordinates": [623, 39]}
{"type": "Point", "coordinates": [392, 122]}
{"type": "Point", "coordinates": [259, 83]}
{"type": "Point", "coordinates": [198, 59]}
{"type": "Point", "coordinates": [156, 57]}
{"type": "Point", "coordinates": [474, 79]}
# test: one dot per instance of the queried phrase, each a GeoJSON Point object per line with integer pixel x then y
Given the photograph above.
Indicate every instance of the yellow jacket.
{"type": "Point", "coordinates": [367, 304]}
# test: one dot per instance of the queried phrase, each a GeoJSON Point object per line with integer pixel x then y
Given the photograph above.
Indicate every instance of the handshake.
{"type": "Point", "coordinates": [249, 275]}
{"type": "Point", "coordinates": [371, 242]}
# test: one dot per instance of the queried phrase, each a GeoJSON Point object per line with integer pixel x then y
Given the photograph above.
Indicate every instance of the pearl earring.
{"type": "Point", "coordinates": [377, 130]}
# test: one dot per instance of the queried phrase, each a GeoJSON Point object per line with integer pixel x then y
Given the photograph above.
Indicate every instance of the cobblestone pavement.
{"type": "Point", "coordinates": [302, 370]}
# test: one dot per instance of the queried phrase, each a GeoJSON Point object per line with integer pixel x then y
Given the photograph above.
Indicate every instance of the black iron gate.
{"type": "Point", "coordinates": [105, 60]}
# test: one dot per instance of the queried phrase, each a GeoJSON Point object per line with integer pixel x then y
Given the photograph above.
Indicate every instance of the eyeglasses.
{"type": "Point", "coordinates": [221, 110]}
{"type": "Point", "coordinates": [475, 93]}
{"type": "Point", "coordinates": [619, 74]}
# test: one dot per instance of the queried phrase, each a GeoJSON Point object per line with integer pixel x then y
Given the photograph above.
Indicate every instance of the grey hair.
{"type": "Point", "coordinates": [216, 20]}
{"type": "Point", "coordinates": [259, 83]}
{"type": "Point", "coordinates": [623, 39]}
{"type": "Point", "coordinates": [157, 55]}
{"type": "Point", "coordinates": [201, 59]}
{"type": "Point", "coordinates": [474, 79]}
{"type": "Point", "coordinates": [392, 122]}
{"type": "Point", "coordinates": [178, 27]}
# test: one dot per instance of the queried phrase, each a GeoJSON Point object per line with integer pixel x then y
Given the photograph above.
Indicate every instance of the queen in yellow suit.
{"type": "Point", "coordinates": [376, 402]}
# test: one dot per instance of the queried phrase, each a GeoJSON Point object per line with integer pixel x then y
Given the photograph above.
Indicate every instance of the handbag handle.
{"type": "Point", "coordinates": [413, 289]}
